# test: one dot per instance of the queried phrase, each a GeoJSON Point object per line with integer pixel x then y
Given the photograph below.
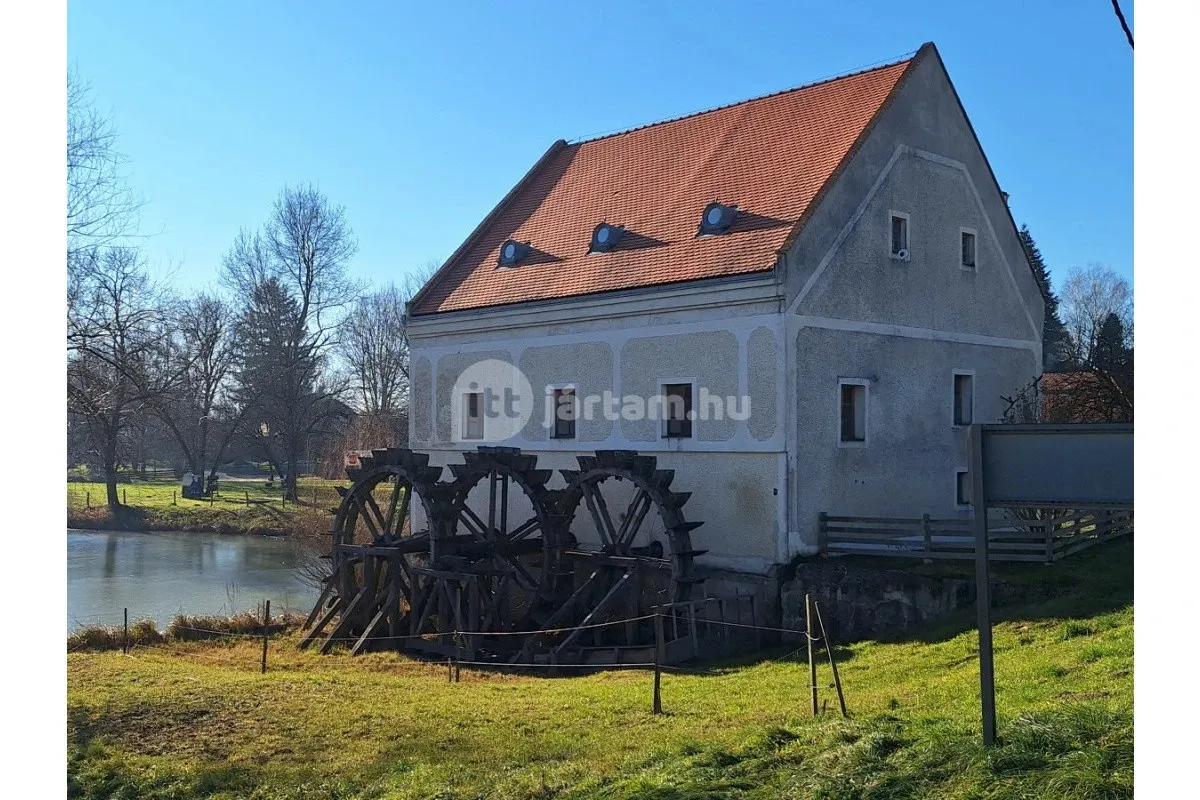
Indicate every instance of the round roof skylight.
{"type": "Point", "coordinates": [717, 218]}
{"type": "Point", "coordinates": [513, 251]}
{"type": "Point", "coordinates": [605, 237]}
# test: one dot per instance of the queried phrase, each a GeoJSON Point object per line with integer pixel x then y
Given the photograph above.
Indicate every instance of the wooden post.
{"type": "Point", "coordinates": [173, 497]}
{"type": "Point", "coordinates": [692, 630]}
{"type": "Point", "coordinates": [837, 681]}
{"type": "Point", "coordinates": [659, 647]}
{"type": "Point", "coordinates": [928, 536]}
{"type": "Point", "coordinates": [247, 497]}
{"type": "Point", "coordinates": [812, 664]}
{"type": "Point", "coordinates": [983, 594]}
{"type": "Point", "coordinates": [754, 622]}
{"type": "Point", "coordinates": [266, 634]}
{"type": "Point", "coordinates": [125, 639]}
{"type": "Point", "coordinates": [457, 671]}
{"type": "Point", "coordinates": [449, 671]}
{"type": "Point", "coordinates": [1048, 525]}
{"type": "Point", "coordinates": [124, 497]}
{"type": "Point", "coordinates": [89, 499]}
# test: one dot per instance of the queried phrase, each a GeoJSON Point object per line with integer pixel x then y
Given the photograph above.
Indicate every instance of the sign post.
{"type": "Point", "coordinates": [1039, 466]}
{"type": "Point", "coordinates": [983, 593]}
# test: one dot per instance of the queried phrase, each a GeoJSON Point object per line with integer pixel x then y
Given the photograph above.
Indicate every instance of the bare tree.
{"type": "Point", "coordinates": [119, 361]}
{"type": "Point", "coordinates": [1088, 296]}
{"type": "Point", "coordinates": [201, 413]}
{"type": "Point", "coordinates": [292, 284]}
{"type": "Point", "coordinates": [101, 208]}
{"type": "Point", "coordinates": [375, 349]}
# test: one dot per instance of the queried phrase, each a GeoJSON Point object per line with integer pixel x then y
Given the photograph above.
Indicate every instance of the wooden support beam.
{"type": "Point", "coordinates": [614, 592]}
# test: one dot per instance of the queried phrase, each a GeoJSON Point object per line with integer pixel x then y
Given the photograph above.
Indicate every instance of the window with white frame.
{"type": "Point", "coordinates": [677, 411]}
{"type": "Point", "coordinates": [899, 235]}
{"type": "Point", "coordinates": [962, 488]}
{"type": "Point", "coordinates": [852, 411]}
{"type": "Point", "coordinates": [964, 398]}
{"type": "Point", "coordinates": [472, 426]}
{"type": "Point", "coordinates": [967, 248]}
{"type": "Point", "coordinates": [564, 413]}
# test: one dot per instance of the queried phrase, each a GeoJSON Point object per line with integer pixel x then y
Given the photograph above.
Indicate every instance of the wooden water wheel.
{"type": "Point", "coordinates": [377, 547]}
{"type": "Point", "coordinates": [631, 551]}
{"type": "Point", "coordinates": [496, 571]}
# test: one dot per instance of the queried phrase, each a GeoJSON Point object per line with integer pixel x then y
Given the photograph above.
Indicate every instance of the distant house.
{"type": "Point", "coordinates": [841, 254]}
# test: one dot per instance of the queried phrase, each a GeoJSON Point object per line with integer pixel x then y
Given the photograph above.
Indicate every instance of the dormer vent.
{"type": "Point", "coordinates": [717, 218]}
{"type": "Point", "coordinates": [513, 251]}
{"type": "Point", "coordinates": [605, 237]}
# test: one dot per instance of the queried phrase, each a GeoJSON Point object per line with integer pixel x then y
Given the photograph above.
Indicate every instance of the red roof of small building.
{"type": "Point", "coordinates": [771, 156]}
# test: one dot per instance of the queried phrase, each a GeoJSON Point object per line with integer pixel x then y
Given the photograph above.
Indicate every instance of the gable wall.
{"type": "Point", "coordinates": [854, 312]}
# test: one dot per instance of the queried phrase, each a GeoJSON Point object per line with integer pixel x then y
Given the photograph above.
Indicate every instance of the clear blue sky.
{"type": "Point", "coordinates": [418, 117]}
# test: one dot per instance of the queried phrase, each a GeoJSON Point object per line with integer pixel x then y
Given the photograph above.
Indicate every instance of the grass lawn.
{"type": "Point", "coordinates": [198, 720]}
{"type": "Point", "coordinates": [157, 505]}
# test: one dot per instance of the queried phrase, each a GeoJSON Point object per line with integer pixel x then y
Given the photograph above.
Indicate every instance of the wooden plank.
{"type": "Point", "coordinates": [343, 623]}
{"type": "Point", "coordinates": [320, 626]}
{"type": "Point", "coordinates": [319, 605]}
{"type": "Point", "coordinates": [613, 593]}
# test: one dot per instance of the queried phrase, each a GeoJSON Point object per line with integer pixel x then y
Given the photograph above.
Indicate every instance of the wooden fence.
{"type": "Point", "coordinates": [1051, 535]}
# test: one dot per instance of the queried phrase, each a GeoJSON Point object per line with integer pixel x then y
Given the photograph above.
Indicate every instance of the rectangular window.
{"type": "Point", "coordinates": [473, 416]}
{"type": "Point", "coordinates": [564, 414]}
{"type": "Point", "coordinates": [899, 236]}
{"type": "Point", "coordinates": [853, 405]}
{"type": "Point", "coordinates": [964, 399]}
{"type": "Point", "coordinates": [678, 412]}
{"type": "Point", "coordinates": [968, 250]}
{"type": "Point", "coordinates": [962, 488]}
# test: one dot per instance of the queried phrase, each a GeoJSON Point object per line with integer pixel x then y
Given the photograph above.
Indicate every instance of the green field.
{"type": "Point", "coordinates": [241, 506]}
{"type": "Point", "coordinates": [198, 720]}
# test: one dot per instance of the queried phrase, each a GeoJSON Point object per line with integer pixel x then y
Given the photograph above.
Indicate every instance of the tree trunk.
{"type": "Point", "coordinates": [110, 474]}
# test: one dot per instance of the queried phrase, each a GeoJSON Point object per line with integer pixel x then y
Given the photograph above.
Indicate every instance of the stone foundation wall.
{"type": "Point", "coordinates": [858, 604]}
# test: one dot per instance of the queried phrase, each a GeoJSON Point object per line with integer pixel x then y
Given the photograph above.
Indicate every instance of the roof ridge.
{"type": "Point", "coordinates": [878, 65]}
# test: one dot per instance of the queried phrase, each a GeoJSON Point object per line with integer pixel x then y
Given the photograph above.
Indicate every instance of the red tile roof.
{"type": "Point", "coordinates": [770, 156]}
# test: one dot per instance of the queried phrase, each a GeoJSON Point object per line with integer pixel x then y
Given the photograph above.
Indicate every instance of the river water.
{"type": "Point", "coordinates": [158, 575]}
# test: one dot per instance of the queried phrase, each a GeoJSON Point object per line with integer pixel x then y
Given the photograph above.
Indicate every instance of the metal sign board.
{"type": "Point", "coordinates": [1035, 465]}
{"type": "Point", "coordinates": [1058, 464]}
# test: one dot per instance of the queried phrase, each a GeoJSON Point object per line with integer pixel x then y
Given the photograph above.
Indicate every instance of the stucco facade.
{"type": "Point", "coordinates": [836, 306]}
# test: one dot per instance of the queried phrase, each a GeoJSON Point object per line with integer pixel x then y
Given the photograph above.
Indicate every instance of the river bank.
{"type": "Point", "coordinates": [200, 719]}
{"type": "Point", "coordinates": [241, 507]}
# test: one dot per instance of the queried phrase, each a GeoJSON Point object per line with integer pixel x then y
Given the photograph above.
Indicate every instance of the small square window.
{"type": "Point", "coordinates": [900, 236]}
{"type": "Point", "coordinates": [853, 410]}
{"type": "Point", "coordinates": [964, 399]}
{"type": "Point", "coordinates": [473, 416]}
{"type": "Point", "coordinates": [564, 414]}
{"type": "Point", "coordinates": [962, 488]}
{"type": "Point", "coordinates": [678, 411]}
{"type": "Point", "coordinates": [968, 250]}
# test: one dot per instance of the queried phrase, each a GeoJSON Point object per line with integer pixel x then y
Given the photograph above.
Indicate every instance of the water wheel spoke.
{"type": "Point", "coordinates": [474, 525]}
{"type": "Point", "coordinates": [603, 526]}
{"type": "Point", "coordinates": [390, 522]}
{"type": "Point", "coordinates": [491, 526]}
{"type": "Point", "coordinates": [520, 574]}
{"type": "Point", "coordinates": [503, 532]}
{"type": "Point", "coordinates": [525, 528]}
{"type": "Point", "coordinates": [365, 515]}
{"type": "Point", "coordinates": [634, 515]}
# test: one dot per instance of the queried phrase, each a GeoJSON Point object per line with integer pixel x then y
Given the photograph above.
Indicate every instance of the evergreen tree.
{"type": "Point", "coordinates": [1054, 335]}
{"type": "Point", "coordinates": [1110, 353]}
